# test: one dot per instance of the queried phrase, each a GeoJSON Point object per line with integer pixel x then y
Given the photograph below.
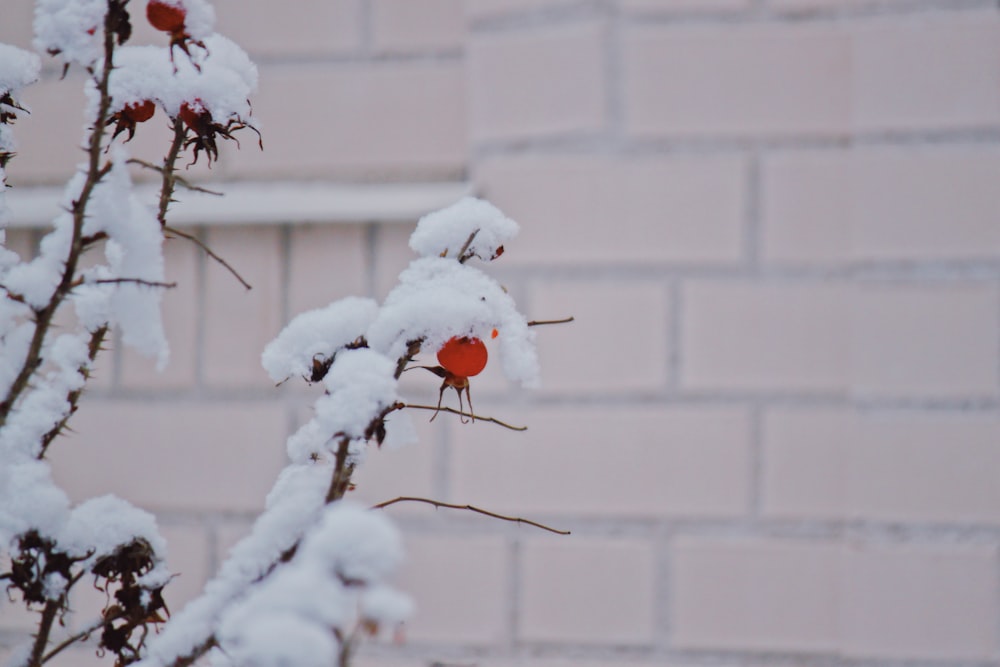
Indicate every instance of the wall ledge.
{"type": "Point", "coordinates": [265, 203]}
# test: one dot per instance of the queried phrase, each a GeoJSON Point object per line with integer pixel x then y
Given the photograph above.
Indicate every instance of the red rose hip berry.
{"type": "Point", "coordinates": [140, 112]}
{"type": "Point", "coordinates": [166, 16]}
{"type": "Point", "coordinates": [463, 356]}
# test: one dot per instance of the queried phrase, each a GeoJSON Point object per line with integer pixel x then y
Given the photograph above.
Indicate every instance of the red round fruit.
{"type": "Point", "coordinates": [140, 112]}
{"type": "Point", "coordinates": [463, 356]}
{"type": "Point", "coordinates": [165, 16]}
{"type": "Point", "coordinates": [195, 115]}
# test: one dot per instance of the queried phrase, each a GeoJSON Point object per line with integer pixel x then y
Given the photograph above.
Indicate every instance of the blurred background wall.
{"type": "Point", "coordinates": [774, 428]}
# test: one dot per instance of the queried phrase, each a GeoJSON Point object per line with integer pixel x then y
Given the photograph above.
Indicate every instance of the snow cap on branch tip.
{"type": "Point", "coordinates": [100, 526]}
{"type": "Point", "coordinates": [439, 298]}
{"type": "Point", "coordinates": [221, 79]}
{"type": "Point", "coordinates": [468, 228]}
{"type": "Point", "coordinates": [317, 335]}
{"type": "Point", "coordinates": [73, 30]}
{"type": "Point", "coordinates": [18, 68]}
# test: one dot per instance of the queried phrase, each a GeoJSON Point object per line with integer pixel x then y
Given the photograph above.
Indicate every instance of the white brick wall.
{"type": "Point", "coordinates": [774, 428]}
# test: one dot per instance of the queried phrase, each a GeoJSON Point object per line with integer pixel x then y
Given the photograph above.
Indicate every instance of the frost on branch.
{"type": "Point", "coordinates": [18, 69]}
{"type": "Point", "coordinates": [72, 30]}
{"type": "Point", "coordinates": [313, 337]}
{"type": "Point", "coordinates": [336, 581]}
{"type": "Point", "coordinates": [438, 298]}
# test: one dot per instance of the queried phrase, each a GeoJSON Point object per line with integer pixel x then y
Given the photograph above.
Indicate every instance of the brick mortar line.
{"type": "Point", "coordinates": [607, 144]}
{"type": "Point", "coordinates": [614, 70]}
{"type": "Point", "coordinates": [756, 16]}
{"type": "Point", "coordinates": [675, 343]}
{"type": "Point", "coordinates": [903, 271]}
{"type": "Point", "coordinates": [662, 544]}
{"type": "Point", "coordinates": [758, 13]}
{"type": "Point", "coordinates": [805, 531]}
{"type": "Point", "coordinates": [639, 652]}
{"type": "Point", "coordinates": [684, 398]}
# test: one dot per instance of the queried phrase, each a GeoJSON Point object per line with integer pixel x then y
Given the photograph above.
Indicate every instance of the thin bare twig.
{"type": "Point", "coordinates": [69, 641]}
{"type": "Point", "coordinates": [462, 257]}
{"type": "Point", "coordinates": [198, 242]}
{"type": "Point", "coordinates": [180, 180]}
{"type": "Point", "coordinates": [133, 281]}
{"type": "Point", "coordinates": [471, 508]}
{"type": "Point", "coordinates": [537, 323]}
{"type": "Point", "coordinates": [465, 414]}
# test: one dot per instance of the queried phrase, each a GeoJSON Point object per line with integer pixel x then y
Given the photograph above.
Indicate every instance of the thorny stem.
{"type": "Point", "coordinates": [96, 339]}
{"type": "Point", "coordinates": [49, 614]}
{"type": "Point", "coordinates": [465, 414]}
{"type": "Point", "coordinates": [169, 170]}
{"type": "Point", "coordinates": [342, 472]}
{"type": "Point", "coordinates": [44, 629]}
{"type": "Point", "coordinates": [95, 172]}
{"type": "Point", "coordinates": [196, 653]}
{"type": "Point", "coordinates": [471, 508]}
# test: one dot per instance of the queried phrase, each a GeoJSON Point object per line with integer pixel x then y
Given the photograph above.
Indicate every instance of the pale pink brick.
{"type": "Point", "coordinates": [328, 262]}
{"type": "Point", "coordinates": [807, 204]}
{"type": "Point", "coordinates": [671, 6]}
{"type": "Point", "coordinates": [606, 462]}
{"type": "Point", "coordinates": [618, 343]}
{"type": "Point", "coordinates": [536, 83]}
{"type": "Point", "coordinates": [80, 657]}
{"type": "Point", "coordinates": [180, 323]}
{"type": "Point", "coordinates": [587, 590]}
{"type": "Point", "coordinates": [568, 662]}
{"type": "Point", "coordinates": [460, 589]}
{"type": "Point", "coordinates": [388, 473]}
{"type": "Point", "coordinates": [806, 462]}
{"type": "Point", "coordinates": [48, 140]}
{"type": "Point", "coordinates": [926, 341]}
{"type": "Point", "coordinates": [835, 464]}
{"type": "Point", "coordinates": [174, 456]}
{"type": "Point", "coordinates": [934, 73]}
{"type": "Point", "coordinates": [369, 661]}
{"type": "Point", "coordinates": [724, 80]}
{"type": "Point", "coordinates": [755, 594]}
{"type": "Point", "coordinates": [400, 26]}
{"type": "Point", "coordinates": [765, 336]}
{"type": "Point", "coordinates": [924, 203]}
{"type": "Point", "coordinates": [925, 467]}
{"type": "Point", "coordinates": [20, 241]}
{"type": "Point", "coordinates": [825, 4]}
{"type": "Point", "coordinates": [374, 120]}
{"type": "Point", "coordinates": [920, 602]}
{"type": "Point", "coordinates": [392, 256]}
{"type": "Point", "coordinates": [610, 209]}
{"type": "Point", "coordinates": [188, 557]}
{"type": "Point", "coordinates": [240, 322]}
{"type": "Point", "coordinates": [16, 28]}
{"type": "Point", "coordinates": [480, 9]}
{"type": "Point", "coordinates": [322, 27]}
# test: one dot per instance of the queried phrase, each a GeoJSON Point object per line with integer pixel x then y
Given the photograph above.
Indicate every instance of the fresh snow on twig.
{"type": "Point", "coordinates": [316, 335]}
{"type": "Point", "coordinates": [477, 222]}
{"type": "Point", "coordinates": [221, 78]}
{"type": "Point", "coordinates": [438, 298]}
